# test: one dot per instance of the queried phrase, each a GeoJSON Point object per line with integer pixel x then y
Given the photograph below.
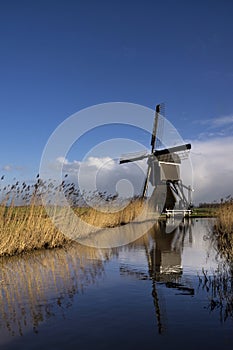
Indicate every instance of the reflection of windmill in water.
{"type": "Point", "coordinates": [163, 171]}
{"type": "Point", "coordinates": [164, 258]}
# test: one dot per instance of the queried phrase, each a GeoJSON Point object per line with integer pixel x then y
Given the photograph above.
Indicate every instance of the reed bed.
{"type": "Point", "coordinates": [219, 284]}
{"type": "Point", "coordinates": [25, 224]}
{"type": "Point", "coordinates": [108, 218]}
{"type": "Point", "coordinates": [223, 230]}
{"type": "Point", "coordinates": [27, 228]}
{"type": "Point", "coordinates": [224, 222]}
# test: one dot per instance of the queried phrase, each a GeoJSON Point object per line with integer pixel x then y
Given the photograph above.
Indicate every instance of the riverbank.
{"type": "Point", "coordinates": [27, 228]}
{"type": "Point", "coordinates": [204, 213]}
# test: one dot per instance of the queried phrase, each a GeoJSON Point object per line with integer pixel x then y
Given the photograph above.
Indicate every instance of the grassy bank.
{"type": "Point", "coordinates": [25, 224]}
{"type": "Point", "coordinates": [204, 212]}
{"type": "Point", "coordinates": [25, 228]}
{"type": "Point", "coordinates": [29, 227]}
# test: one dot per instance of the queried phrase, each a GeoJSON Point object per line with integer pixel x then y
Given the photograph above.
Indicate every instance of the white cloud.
{"type": "Point", "coordinates": [95, 162]}
{"type": "Point", "coordinates": [62, 160]}
{"type": "Point", "coordinates": [104, 174]}
{"type": "Point", "coordinates": [7, 167]}
{"type": "Point", "coordinates": [212, 168]}
{"type": "Point", "coordinates": [216, 127]}
{"type": "Point", "coordinates": [212, 162]}
{"type": "Point", "coordinates": [222, 121]}
{"type": "Point", "coordinates": [217, 122]}
{"type": "Point", "coordinates": [69, 167]}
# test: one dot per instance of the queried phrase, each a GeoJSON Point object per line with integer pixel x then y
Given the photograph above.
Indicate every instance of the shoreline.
{"type": "Point", "coordinates": [64, 242]}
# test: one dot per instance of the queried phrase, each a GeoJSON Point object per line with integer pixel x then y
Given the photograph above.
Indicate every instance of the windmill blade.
{"type": "Point", "coordinates": [174, 149]}
{"type": "Point", "coordinates": [146, 181]}
{"type": "Point", "coordinates": [155, 128]}
{"type": "Point", "coordinates": [160, 128]}
{"type": "Point", "coordinates": [133, 157]}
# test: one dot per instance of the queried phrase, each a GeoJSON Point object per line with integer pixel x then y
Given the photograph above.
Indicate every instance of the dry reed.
{"type": "Point", "coordinates": [219, 290]}
{"type": "Point", "coordinates": [223, 230]}
{"type": "Point", "coordinates": [224, 222]}
{"type": "Point", "coordinates": [25, 224]}
{"type": "Point", "coordinates": [219, 284]}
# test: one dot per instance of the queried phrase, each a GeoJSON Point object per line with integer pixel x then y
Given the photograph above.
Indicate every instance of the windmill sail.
{"type": "Point", "coordinates": [155, 128]}
{"type": "Point", "coordinates": [160, 127]}
{"type": "Point", "coordinates": [146, 181]}
{"type": "Point", "coordinates": [133, 157]}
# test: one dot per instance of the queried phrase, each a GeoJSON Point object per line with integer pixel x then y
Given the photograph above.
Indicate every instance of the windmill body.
{"type": "Point", "coordinates": [163, 173]}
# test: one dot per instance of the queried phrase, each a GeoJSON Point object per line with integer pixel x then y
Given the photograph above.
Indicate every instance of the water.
{"type": "Point", "coordinates": [149, 294]}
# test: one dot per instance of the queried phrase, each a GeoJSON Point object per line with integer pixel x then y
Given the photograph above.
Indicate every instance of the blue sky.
{"type": "Point", "coordinates": [58, 57]}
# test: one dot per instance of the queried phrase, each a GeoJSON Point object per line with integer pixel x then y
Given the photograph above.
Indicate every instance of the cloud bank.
{"type": "Point", "coordinates": [212, 163]}
{"type": "Point", "coordinates": [212, 168]}
{"type": "Point", "coordinates": [105, 175]}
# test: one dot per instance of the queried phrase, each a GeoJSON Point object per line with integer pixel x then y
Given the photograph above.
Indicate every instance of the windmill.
{"type": "Point", "coordinates": [163, 171]}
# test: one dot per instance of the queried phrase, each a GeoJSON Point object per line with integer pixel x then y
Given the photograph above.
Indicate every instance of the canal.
{"type": "Point", "coordinates": [164, 290]}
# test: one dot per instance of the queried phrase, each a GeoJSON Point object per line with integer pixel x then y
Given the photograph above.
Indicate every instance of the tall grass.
{"type": "Point", "coordinates": [25, 224]}
{"type": "Point", "coordinates": [219, 290]}
{"type": "Point", "coordinates": [219, 284]}
{"type": "Point", "coordinates": [223, 230]}
{"type": "Point", "coordinates": [224, 222]}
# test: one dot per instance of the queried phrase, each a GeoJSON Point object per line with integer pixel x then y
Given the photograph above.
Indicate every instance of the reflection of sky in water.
{"type": "Point", "coordinates": [86, 297]}
{"type": "Point", "coordinates": [195, 255]}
